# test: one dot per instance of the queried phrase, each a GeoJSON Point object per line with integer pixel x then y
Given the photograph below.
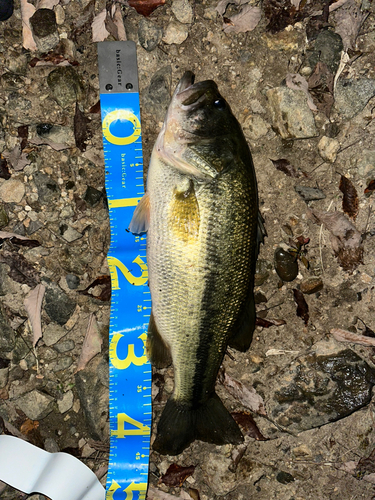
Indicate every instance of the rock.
{"type": "Point", "coordinates": [56, 133]}
{"type": "Point", "coordinates": [351, 96]}
{"type": "Point", "coordinates": [44, 28]}
{"type": "Point", "coordinates": [12, 191]}
{"type": "Point", "coordinates": [4, 219]}
{"type": "Point", "coordinates": [286, 264]}
{"type": "Point", "coordinates": [311, 285]}
{"type": "Point", "coordinates": [364, 161]}
{"type": "Point", "coordinates": [92, 196]}
{"type": "Point", "coordinates": [323, 385]}
{"type": "Point", "coordinates": [94, 399]}
{"type": "Point", "coordinates": [35, 404]}
{"type": "Point", "coordinates": [309, 193]}
{"type": "Point", "coordinates": [328, 148]}
{"type": "Point", "coordinates": [58, 305]}
{"type": "Point", "coordinates": [158, 95]}
{"type": "Point", "coordinates": [18, 63]}
{"type": "Point", "coordinates": [183, 11]}
{"type": "Point", "coordinates": [51, 446]}
{"type": "Point", "coordinates": [64, 346]}
{"type": "Point", "coordinates": [290, 113]}
{"type": "Point", "coordinates": [34, 226]}
{"type": "Point", "coordinates": [21, 349]}
{"type": "Point", "coordinates": [66, 402]}
{"type": "Point", "coordinates": [52, 334]}
{"type": "Point", "coordinates": [66, 86]}
{"type": "Point", "coordinates": [48, 190]}
{"type": "Point", "coordinates": [175, 33]}
{"type": "Point", "coordinates": [4, 375]}
{"type": "Point", "coordinates": [72, 281]}
{"type": "Point", "coordinates": [210, 13]}
{"type": "Point", "coordinates": [284, 477]}
{"type": "Point", "coordinates": [69, 233]}
{"type": "Point", "coordinates": [255, 127]}
{"type": "Point", "coordinates": [7, 337]}
{"type": "Point", "coordinates": [60, 14]}
{"type": "Point", "coordinates": [149, 35]}
{"type": "Point", "coordinates": [327, 49]}
{"type": "Point", "coordinates": [18, 104]}
{"type": "Point", "coordinates": [62, 363]}
{"type": "Point", "coordinates": [12, 81]}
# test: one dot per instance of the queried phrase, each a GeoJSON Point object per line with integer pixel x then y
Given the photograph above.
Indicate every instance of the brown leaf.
{"type": "Point", "coordinates": [33, 306]}
{"type": "Point", "coordinates": [284, 166]}
{"type": "Point", "coordinates": [105, 294]}
{"type": "Point", "coordinates": [176, 475]}
{"type": "Point", "coordinates": [370, 188]}
{"type": "Point", "coordinates": [40, 141]}
{"type": "Point", "coordinates": [346, 240]}
{"type": "Point", "coordinates": [4, 170]}
{"type": "Point", "coordinates": [366, 465]}
{"type": "Point", "coordinates": [247, 397]}
{"type": "Point", "coordinates": [92, 345]}
{"type": "Point", "coordinates": [17, 239]}
{"type": "Point", "coordinates": [246, 20]}
{"type": "Point", "coordinates": [320, 86]}
{"type": "Point", "coordinates": [350, 203]}
{"type": "Point", "coordinates": [99, 30]}
{"type": "Point", "coordinates": [20, 268]}
{"type": "Point", "coordinates": [81, 132]}
{"type": "Point", "coordinates": [95, 108]}
{"type": "Point", "coordinates": [267, 323]}
{"type": "Point", "coordinates": [145, 7]}
{"type": "Point", "coordinates": [302, 307]}
{"type": "Point", "coordinates": [17, 158]}
{"type": "Point", "coordinates": [23, 133]}
{"type": "Point", "coordinates": [348, 21]}
{"type": "Point", "coordinates": [28, 426]}
{"type": "Point", "coordinates": [248, 425]}
{"type": "Point", "coordinates": [194, 494]}
{"type": "Point", "coordinates": [27, 10]}
{"type": "Point", "coordinates": [354, 338]}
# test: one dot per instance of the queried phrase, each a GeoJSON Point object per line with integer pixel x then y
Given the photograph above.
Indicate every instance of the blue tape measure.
{"type": "Point", "coordinates": [129, 370]}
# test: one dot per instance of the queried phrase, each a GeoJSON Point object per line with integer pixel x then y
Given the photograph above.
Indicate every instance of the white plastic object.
{"type": "Point", "coordinates": [59, 476]}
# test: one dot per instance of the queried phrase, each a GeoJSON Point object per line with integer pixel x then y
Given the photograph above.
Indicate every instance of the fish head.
{"type": "Point", "coordinates": [197, 120]}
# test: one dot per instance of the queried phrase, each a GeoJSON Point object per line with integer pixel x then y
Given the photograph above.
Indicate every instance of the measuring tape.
{"type": "Point", "coordinates": [129, 370]}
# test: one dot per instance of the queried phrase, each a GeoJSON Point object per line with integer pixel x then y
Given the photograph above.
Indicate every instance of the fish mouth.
{"type": "Point", "coordinates": [190, 94]}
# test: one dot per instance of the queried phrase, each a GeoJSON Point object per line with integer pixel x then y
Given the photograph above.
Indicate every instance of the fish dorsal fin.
{"type": "Point", "coordinates": [141, 218]}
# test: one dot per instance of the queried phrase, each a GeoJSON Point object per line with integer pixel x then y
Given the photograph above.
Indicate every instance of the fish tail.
{"type": "Point", "coordinates": [180, 425]}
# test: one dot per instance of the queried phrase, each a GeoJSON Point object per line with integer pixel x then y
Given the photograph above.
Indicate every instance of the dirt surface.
{"type": "Point", "coordinates": [56, 196]}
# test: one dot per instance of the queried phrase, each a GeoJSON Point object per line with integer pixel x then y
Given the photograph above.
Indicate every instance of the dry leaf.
{"type": "Point", "coordinates": [20, 268]}
{"type": "Point", "coordinates": [29, 426]}
{"type": "Point", "coordinates": [81, 132]}
{"type": "Point", "coordinates": [27, 10]}
{"type": "Point", "coordinates": [47, 4]}
{"type": "Point", "coordinates": [354, 338]}
{"type": "Point", "coordinates": [278, 352]}
{"type": "Point", "coordinates": [145, 7]}
{"type": "Point", "coordinates": [297, 82]}
{"type": "Point", "coordinates": [17, 158]}
{"type": "Point", "coordinates": [176, 475]}
{"type": "Point", "coordinates": [223, 4]}
{"type": "Point", "coordinates": [105, 293]}
{"type": "Point", "coordinates": [370, 188]}
{"type": "Point", "coordinates": [57, 146]}
{"type": "Point", "coordinates": [17, 239]}
{"type": "Point", "coordinates": [247, 397]}
{"type": "Point", "coordinates": [281, 13]}
{"type": "Point", "coordinates": [302, 307]}
{"type": "Point", "coordinates": [248, 425]}
{"type": "Point", "coordinates": [246, 20]}
{"type": "Point", "coordinates": [320, 86]}
{"type": "Point", "coordinates": [119, 23]}
{"type": "Point", "coordinates": [346, 240]}
{"type": "Point", "coordinates": [92, 345]}
{"type": "Point", "coordinates": [267, 323]}
{"type": "Point", "coordinates": [350, 202]}
{"type": "Point", "coordinates": [336, 5]}
{"type": "Point", "coordinates": [33, 306]}
{"type": "Point", "coordinates": [99, 31]}
{"type": "Point", "coordinates": [284, 166]}
{"type": "Point", "coordinates": [4, 170]}
{"type": "Point", "coordinates": [348, 21]}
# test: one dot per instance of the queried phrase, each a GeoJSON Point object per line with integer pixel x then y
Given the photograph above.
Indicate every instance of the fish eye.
{"type": "Point", "coordinates": [219, 104]}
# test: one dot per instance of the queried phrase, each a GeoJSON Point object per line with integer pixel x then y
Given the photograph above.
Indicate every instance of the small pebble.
{"type": "Point", "coordinates": [286, 265]}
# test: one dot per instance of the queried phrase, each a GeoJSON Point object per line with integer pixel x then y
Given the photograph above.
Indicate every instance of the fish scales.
{"type": "Point", "coordinates": [202, 224]}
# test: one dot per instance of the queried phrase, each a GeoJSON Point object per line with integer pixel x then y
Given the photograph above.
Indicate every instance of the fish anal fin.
{"type": "Point", "coordinates": [244, 327]}
{"type": "Point", "coordinates": [157, 350]}
{"type": "Point", "coordinates": [180, 425]}
{"type": "Point", "coordinates": [141, 218]}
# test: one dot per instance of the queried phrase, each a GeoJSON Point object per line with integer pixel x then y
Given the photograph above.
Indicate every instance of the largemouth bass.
{"type": "Point", "coordinates": [200, 212]}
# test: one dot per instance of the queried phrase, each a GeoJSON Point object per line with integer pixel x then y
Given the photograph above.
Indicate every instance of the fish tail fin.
{"type": "Point", "coordinates": [180, 425]}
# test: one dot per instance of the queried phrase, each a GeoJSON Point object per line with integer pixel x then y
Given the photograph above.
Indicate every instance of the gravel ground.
{"type": "Point", "coordinates": [314, 435]}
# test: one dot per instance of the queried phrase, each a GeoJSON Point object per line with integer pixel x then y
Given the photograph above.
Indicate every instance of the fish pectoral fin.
{"type": "Point", "coordinates": [157, 350]}
{"type": "Point", "coordinates": [261, 232]}
{"type": "Point", "coordinates": [244, 327]}
{"type": "Point", "coordinates": [180, 425]}
{"type": "Point", "coordinates": [141, 218]}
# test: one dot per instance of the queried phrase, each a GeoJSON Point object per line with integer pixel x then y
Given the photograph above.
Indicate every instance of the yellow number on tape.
{"type": "Point", "coordinates": [112, 490]}
{"type": "Point", "coordinates": [131, 358]}
{"type": "Point", "coordinates": [121, 432]}
{"type": "Point", "coordinates": [115, 264]}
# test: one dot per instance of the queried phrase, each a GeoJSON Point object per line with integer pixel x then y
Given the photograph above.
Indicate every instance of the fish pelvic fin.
{"type": "Point", "coordinates": [141, 218]}
{"type": "Point", "coordinates": [261, 232]}
{"type": "Point", "coordinates": [157, 350]}
{"type": "Point", "coordinates": [180, 425]}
